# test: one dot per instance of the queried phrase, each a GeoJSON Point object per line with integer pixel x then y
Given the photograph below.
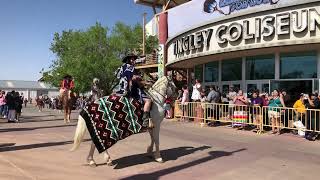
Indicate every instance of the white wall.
{"type": "Point", "coordinates": [53, 93]}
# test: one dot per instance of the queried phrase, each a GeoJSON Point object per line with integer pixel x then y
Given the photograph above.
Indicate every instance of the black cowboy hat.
{"type": "Point", "coordinates": [128, 57]}
{"type": "Point", "coordinates": [67, 76]}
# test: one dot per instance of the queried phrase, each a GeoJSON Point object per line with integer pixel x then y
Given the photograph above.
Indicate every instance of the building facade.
{"type": "Point", "coordinates": [30, 89]}
{"type": "Point", "coordinates": [252, 44]}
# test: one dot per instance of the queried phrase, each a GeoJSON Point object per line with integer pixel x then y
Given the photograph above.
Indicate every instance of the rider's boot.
{"type": "Point", "coordinates": [145, 119]}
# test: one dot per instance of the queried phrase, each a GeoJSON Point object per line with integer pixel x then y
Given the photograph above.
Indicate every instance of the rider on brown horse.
{"type": "Point", "coordinates": [67, 84]}
{"type": "Point", "coordinates": [66, 97]}
{"type": "Point", "coordinates": [131, 84]}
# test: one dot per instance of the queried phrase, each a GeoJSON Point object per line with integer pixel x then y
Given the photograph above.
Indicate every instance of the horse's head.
{"type": "Point", "coordinates": [171, 87]}
{"type": "Point", "coordinates": [165, 86]}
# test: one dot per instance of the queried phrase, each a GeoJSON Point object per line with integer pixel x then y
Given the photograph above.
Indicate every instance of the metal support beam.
{"type": "Point", "coordinates": [144, 35]}
{"type": "Point", "coordinates": [167, 5]}
{"type": "Point", "coordinates": [154, 10]}
{"type": "Point", "coordinates": [175, 2]}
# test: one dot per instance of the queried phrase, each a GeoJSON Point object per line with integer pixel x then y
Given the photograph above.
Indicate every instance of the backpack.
{"type": "Point", "coordinates": [311, 136]}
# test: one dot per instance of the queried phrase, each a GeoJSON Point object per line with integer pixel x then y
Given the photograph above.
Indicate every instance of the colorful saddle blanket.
{"type": "Point", "coordinates": [112, 118]}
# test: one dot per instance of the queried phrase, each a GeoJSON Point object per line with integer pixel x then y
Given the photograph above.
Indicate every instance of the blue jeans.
{"type": "Point", "coordinates": [4, 111]}
{"type": "Point", "coordinates": [1, 109]}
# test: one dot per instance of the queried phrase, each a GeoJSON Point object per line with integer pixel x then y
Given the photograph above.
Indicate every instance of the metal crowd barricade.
{"type": "Point", "coordinates": [291, 118]}
{"type": "Point", "coordinates": [177, 110]}
{"type": "Point", "coordinates": [236, 115]}
{"type": "Point", "coordinates": [263, 118]}
{"type": "Point", "coordinates": [189, 110]}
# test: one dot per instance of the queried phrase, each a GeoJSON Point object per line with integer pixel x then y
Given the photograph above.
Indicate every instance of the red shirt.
{"type": "Point", "coordinates": [67, 84]}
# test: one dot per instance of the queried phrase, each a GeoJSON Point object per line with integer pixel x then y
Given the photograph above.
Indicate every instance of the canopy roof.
{"type": "Point", "coordinates": [160, 3]}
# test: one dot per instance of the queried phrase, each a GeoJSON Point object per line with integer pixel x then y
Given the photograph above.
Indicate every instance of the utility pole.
{"type": "Point", "coordinates": [144, 35]}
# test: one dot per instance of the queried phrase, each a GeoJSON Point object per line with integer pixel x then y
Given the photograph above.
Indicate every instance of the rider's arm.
{"type": "Point", "coordinates": [71, 84]}
{"type": "Point", "coordinates": [282, 101]}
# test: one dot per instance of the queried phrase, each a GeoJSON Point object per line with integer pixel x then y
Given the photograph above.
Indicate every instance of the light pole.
{"type": "Point", "coordinates": [144, 34]}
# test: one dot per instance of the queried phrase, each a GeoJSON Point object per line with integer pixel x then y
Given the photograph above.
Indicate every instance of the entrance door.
{"type": "Point", "coordinates": [261, 86]}
{"type": "Point", "coordinates": [225, 87]}
{"type": "Point", "coordinates": [250, 89]}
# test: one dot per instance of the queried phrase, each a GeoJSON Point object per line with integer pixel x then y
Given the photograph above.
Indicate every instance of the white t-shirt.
{"type": "Point", "coordinates": [231, 96]}
{"type": "Point", "coordinates": [195, 92]}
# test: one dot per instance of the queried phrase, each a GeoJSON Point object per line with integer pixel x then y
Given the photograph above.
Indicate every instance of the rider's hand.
{"type": "Point", "coordinates": [148, 83]}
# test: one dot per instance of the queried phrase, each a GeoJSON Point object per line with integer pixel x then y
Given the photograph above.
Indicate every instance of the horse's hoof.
{"type": "Point", "coordinates": [92, 164]}
{"type": "Point", "coordinates": [159, 160]}
{"type": "Point", "coordinates": [110, 163]}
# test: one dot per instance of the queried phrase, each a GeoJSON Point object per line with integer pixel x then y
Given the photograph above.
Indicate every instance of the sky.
{"type": "Point", "coordinates": [27, 28]}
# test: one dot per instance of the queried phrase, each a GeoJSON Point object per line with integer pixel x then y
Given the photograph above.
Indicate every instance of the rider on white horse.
{"type": "Point", "coordinates": [96, 92]}
{"type": "Point", "coordinates": [131, 84]}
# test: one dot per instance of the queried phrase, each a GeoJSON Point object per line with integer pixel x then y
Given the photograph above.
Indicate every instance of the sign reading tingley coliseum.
{"type": "Point", "coordinates": [297, 26]}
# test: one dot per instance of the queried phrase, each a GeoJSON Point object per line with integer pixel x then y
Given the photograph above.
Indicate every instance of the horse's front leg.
{"type": "Point", "coordinates": [69, 115]}
{"type": "Point", "coordinates": [65, 115]}
{"type": "Point", "coordinates": [150, 147]}
{"type": "Point", "coordinates": [156, 137]}
{"type": "Point", "coordinates": [107, 158]}
{"type": "Point", "coordinates": [90, 159]}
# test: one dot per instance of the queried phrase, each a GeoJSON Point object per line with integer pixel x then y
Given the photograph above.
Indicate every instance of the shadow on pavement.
{"type": "Point", "coordinates": [35, 146]}
{"type": "Point", "coordinates": [31, 117]}
{"type": "Point", "coordinates": [167, 155]}
{"type": "Point", "coordinates": [7, 144]}
{"type": "Point", "coordinates": [157, 174]}
{"type": "Point", "coordinates": [24, 120]}
{"type": "Point", "coordinates": [34, 128]}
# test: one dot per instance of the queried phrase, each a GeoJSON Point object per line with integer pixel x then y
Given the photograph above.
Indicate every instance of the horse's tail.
{"type": "Point", "coordinates": [80, 132]}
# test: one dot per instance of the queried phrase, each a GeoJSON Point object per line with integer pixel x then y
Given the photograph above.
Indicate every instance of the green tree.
{"type": "Point", "coordinates": [95, 52]}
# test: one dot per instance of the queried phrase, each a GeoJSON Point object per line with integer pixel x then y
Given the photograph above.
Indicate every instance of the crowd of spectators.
{"type": "Point", "coordinates": [279, 106]}
{"type": "Point", "coordinates": [11, 105]}
{"type": "Point", "coordinates": [54, 103]}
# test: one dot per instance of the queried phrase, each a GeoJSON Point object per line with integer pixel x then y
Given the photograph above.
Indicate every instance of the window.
{"type": "Point", "coordinates": [260, 67]}
{"type": "Point", "coordinates": [265, 88]}
{"type": "Point", "coordinates": [298, 65]}
{"type": "Point", "coordinates": [316, 85]}
{"type": "Point", "coordinates": [198, 72]}
{"type": "Point", "coordinates": [232, 70]}
{"type": "Point", "coordinates": [211, 72]}
{"type": "Point", "coordinates": [250, 89]}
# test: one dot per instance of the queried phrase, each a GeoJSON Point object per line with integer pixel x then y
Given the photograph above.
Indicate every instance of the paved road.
{"type": "Point", "coordinates": [37, 148]}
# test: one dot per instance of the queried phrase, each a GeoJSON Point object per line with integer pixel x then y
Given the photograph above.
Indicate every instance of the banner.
{"type": "Point", "coordinates": [196, 12]}
{"type": "Point", "coordinates": [160, 60]}
{"type": "Point", "coordinates": [270, 29]}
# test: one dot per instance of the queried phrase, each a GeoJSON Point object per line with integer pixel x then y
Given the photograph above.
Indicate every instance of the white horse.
{"type": "Point", "coordinates": [163, 87]}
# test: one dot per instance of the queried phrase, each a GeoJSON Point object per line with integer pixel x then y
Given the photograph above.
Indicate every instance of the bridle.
{"type": "Point", "coordinates": [166, 93]}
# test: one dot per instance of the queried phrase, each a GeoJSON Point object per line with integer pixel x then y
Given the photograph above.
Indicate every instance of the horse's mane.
{"type": "Point", "coordinates": [160, 83]}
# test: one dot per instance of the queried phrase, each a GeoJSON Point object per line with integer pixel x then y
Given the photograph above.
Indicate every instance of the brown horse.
{"type": "Point", "coordinates": [67, 99]}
